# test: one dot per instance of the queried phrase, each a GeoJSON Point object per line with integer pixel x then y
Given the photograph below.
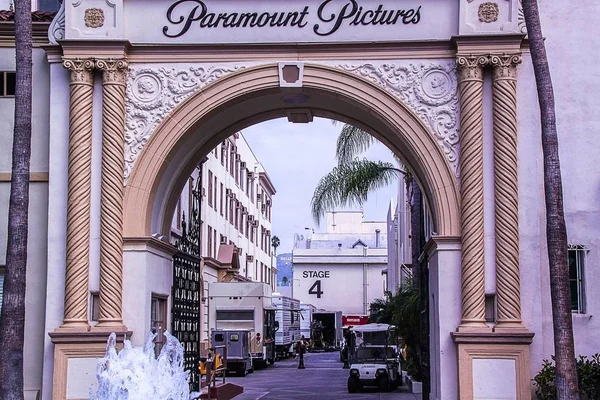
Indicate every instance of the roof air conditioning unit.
{"type": "Point", "coordinates": [263, 207]}
{"type": "Point", "coordinates": [243, 164]}
{"type": "Point", "coordinates": [259, 197]}
{"type": "Point", "coordinates": [268, 202]}
{"type": "Point", "coordinates": [237, 157]}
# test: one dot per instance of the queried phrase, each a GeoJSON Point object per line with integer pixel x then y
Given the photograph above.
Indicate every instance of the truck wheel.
{"type": "Point", "coordinates": [353, 384]}
{"type": "Point", "coordinates": [241, 371]}
{"type": "Point", "coordinates": [384, 384]}
{"type": "Point", "coordinates": [271, 361]}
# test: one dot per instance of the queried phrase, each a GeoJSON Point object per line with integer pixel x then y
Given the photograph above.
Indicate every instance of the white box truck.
{"type": "Point", "coordinates": [287, 316]}
{"type": "Point", "coordinates": [245, 305]}
{"type": "Point", "coordinates": [306, 311]}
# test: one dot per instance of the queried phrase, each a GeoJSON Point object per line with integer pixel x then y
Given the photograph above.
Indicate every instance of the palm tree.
{"type": "Point", "coordinates": [556, 232]}
{"type": "Point", "coordinates": [275, 242]}
{"type": "Point", "coordinates": [12, 318]}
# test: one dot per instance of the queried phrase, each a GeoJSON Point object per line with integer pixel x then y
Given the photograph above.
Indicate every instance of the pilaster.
{"type": "Point", "coordinates": [470, 75]}
{"type": "Point", "coordinates": [79, 181]}
{"type": "Point", "coordinates": [506, 190]}
{"type": "Point", "coordinates": [112, 192]}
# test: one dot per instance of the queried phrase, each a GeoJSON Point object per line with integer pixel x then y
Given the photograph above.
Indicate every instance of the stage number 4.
{"type": "Point", "coordinates": [316, 289]}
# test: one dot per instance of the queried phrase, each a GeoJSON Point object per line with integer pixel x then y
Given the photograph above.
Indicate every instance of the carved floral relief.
{"type": "Point", "coordinates": [488, 12]}
{"type": "Point", "coordinates": [94, 17]}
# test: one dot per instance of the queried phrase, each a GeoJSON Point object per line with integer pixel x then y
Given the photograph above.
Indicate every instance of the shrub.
{"type": "Point", "coordinates": [588, 375]}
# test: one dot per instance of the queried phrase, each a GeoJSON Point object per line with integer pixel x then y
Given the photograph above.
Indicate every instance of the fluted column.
{"type": "Point", "coordinates": [506, 189]}
{"type": "Point", "coordinates": [112, 192]}
{"type": "Point", "coordinates": [79, 185]}
{"type": "Point", "coordinates": [470, 72]}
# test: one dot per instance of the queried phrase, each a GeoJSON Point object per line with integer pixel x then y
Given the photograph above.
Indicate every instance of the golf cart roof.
{"type": "Point", "coordinates": [372, 328]}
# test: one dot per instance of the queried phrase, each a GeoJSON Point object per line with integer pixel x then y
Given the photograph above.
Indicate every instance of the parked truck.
{"type": "Point", "coordinates": [306, 311]}
{"type": "Point", "coordinates": [287, 317]}
{"type": "Point", "coordinates": [326, 331]}
{"type": "Point", "coordinates": [245, 305]}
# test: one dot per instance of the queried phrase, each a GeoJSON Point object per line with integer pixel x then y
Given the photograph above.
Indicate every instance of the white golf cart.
{"type": "Point", "coordinates": [374, 358]}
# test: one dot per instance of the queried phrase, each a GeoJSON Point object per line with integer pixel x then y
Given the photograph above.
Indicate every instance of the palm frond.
{"type": "Point", "coordinates": [351, 142]}
{"type": "Point", "coordinates": [349, 184]}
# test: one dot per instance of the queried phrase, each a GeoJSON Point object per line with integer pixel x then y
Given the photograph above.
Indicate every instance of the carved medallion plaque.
{"type": "Point", "coordinates": [94, 17]}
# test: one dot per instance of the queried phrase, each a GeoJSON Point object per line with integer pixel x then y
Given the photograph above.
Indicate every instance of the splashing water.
{"type": "Point", "coordinates": [135, 373]}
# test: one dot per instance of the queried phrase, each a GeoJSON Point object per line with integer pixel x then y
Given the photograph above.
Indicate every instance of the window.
{"type": "Point", "coordinates": [234, 337]}
{"type": "Point", "coordinates": [158, 321]}
{"type": "Point", "coordinates": [219, 337]}
{"type": "Point", "coordinates": [216, 186]}
{"type": "Point", "coordinates": [215, 243]}
{"type": "Point", "coordinates": [221, 206]}
{"type": "Point", "coordinates": [210, 245]}
{"type": "Point", "coordinates": [95, 306]}
{"type": "Point", "coordinates": [226, 153]}
{"type": "Point", "coordinates": [576, 255]}
{"type": "Point", "coordinates": [232, 161]}
{"type": "Point", "coordinates": [8, 83]}
{"type": "Point", "coordinates": [237, 214]}
{"type": "Point", "coordinates": [48, 5]}
{"type": "Point", "coordinates": [242, 179]}
{"type": "Point", "coordinates": [2, 272]}
{"type": "Point", "coordinates": [210, 189]}
{"type": "Point", "coordinates": [223, 154]}
{"type": "Point", "coordinates": [235, 315]}
{"type": "Point", "coordinates": [231, 211]}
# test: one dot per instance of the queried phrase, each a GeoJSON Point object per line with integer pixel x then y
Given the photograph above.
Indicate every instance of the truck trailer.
{"type": "Point", "coordinates": [287, 317]}
{"type": "Point", "coordinates": [326, 331]}
{"type": "Point", "coordinates": [306, 311]}
{"type": "Point", "coordinates": [245, 305]}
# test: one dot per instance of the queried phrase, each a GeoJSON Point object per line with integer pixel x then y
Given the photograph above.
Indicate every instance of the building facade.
{"type": "Point", "coordinates": [432, 81]}
{"type": "Point", "coordinates": [341, 269]}
{"type": "Point", "coordinates": [235, 213]}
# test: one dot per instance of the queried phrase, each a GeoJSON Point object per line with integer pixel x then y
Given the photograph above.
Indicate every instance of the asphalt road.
{"type": "Point", "coordinates": [323, 379]}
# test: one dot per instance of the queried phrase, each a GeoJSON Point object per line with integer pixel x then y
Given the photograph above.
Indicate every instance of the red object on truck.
{"type": "Point", "coordinates": [354, 320]}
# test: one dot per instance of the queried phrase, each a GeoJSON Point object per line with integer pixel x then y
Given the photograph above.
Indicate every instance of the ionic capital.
{"type": "Point", "coordinates": [114, 71]}
{"type": "Point", "coordinates": [505, 65]}
{"type": "Point", "coordinates": [470, 67]}
{"type": "Point", "coordinates": [82, 70]}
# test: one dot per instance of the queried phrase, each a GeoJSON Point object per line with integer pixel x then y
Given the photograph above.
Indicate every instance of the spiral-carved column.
{"type": "Point", "coordinates": [506, 189]}
{"type": "Point", "coordinates": [470, 71]}
{"type": "Point", "coordinates": [79, 184]}
{"type": "Point", "coordinates": [112, 193]}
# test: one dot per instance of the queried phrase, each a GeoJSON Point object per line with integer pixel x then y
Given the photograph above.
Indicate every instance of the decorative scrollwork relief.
{"type": "Point", "coordinates": [152, 93]}
{"type": "Point", "coordinates": [521, 19]}
{"type": "Point", "coordinates": [56, 31]}
{"type": "Point", "coordinates": [430, 90]}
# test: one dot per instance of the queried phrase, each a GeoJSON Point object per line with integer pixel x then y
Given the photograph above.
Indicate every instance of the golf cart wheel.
{"type": "Point", "coordinates": [353, 384]}
{"type": "Point", "coordinates": [384, 384]}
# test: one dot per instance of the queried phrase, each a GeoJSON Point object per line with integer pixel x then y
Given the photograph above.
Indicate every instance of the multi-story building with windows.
{"type": "Point", "coordinates": [236, 203]}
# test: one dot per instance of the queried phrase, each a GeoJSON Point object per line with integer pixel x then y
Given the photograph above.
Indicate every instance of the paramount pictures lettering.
{"type": "Point", "coordinates": [331, 15]}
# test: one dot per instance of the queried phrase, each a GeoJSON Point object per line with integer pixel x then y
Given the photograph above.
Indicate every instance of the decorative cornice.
{"type": "Point", "coordinates": [505, 65]}
{"type": "Point", "coordinates": [82, 70]}
{"type": "Point", "coordinates": [430, 90]}
{"type": "Point", "coordinates": [114, 71]}
{"type": "Point", "coordinates": [152, 93]}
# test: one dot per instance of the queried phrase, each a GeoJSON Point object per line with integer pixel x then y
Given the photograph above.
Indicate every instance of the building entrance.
{"type": "Point", "coordinates": [179, 77]}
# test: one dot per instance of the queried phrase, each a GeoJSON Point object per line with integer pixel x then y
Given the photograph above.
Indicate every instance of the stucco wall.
{"type": "Point", "coordinates": [573, 66]}
{"type": "Point", "coordinates": [38, 210]}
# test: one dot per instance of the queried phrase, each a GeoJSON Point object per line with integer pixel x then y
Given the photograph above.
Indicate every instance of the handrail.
{"type": "Point", "coordinates": [211, 374]}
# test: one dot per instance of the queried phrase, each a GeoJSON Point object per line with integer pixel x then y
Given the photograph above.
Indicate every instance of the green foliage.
{"type": "Point", "coordinates": [351, 142]}
{"type": "Point", "coordinates": [349, 184]}
{"type": "Point", "coordinates": [402, 309]}
{"type": "Point", "coordinates": [588, 375]}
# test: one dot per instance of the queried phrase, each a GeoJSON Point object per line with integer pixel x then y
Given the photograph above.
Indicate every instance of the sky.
{"type": "Point", "coordinates": [296, 156]}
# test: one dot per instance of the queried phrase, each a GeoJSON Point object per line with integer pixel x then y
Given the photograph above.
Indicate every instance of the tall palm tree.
{"type": "Point", "coordinates": [12, 318]}
{"type": "Point", "coordinates": [556, 232]}
{"type": "Point", "coordinates": [275, 242]}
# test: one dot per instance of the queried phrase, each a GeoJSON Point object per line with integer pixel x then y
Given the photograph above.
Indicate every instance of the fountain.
{"type": "Point", "coordinates": [135, 373]}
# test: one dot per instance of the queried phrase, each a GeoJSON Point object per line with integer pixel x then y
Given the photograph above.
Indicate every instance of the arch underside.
{"type": "Point", "coordinates": [253, 95]}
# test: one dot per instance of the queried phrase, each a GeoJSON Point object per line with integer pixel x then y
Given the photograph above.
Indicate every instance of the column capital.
{"type": "Point", "coordinates": [114, 71]}
{"type": "Point", "coordinates": [470, 66]}
{"type": "Point", "coordinates": [505, 65]}
{"type": "Point", "coordinates": [82, 70]}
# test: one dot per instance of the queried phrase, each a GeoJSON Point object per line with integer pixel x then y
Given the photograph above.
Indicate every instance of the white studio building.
{"type": "Point", "coordinates": [235, 200]}
{"type": "Point", "coordinates": [423, 77]}
{"type": "Point", "coordinates": [343, 268]}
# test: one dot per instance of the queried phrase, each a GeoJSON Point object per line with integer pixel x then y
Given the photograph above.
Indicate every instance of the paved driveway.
{"type": "Point", "coordinates": [323, 379]}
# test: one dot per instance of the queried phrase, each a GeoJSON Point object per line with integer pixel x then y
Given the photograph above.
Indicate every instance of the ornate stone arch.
{"type": "Point", "coordinates": [230, 103]}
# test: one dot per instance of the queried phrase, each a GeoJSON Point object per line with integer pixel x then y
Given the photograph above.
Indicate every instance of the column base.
{"type": "Point", "coordinates": [112, 325]}
{"type": "Point", "coordinates": [474, 327]}
{"type": "Point", "coordinates": [493, 365]}
{"type": "Point", "coordinates": [76, 355]}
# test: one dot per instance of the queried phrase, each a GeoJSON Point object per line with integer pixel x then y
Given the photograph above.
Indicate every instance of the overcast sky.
{"type": "Point", "coordinates": [296, 156]}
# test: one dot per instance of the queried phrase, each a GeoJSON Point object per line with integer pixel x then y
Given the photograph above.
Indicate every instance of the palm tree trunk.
{"type": "Point", "coordinates": [12, 319]}
{"type": "Point", "coordinates": [416, 230]}
{"type": "Point", "coordinates": [556, 232]}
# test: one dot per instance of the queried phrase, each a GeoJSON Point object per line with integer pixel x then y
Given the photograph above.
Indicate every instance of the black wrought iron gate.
{"type": "Point", "coordinates": [186, 290]}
